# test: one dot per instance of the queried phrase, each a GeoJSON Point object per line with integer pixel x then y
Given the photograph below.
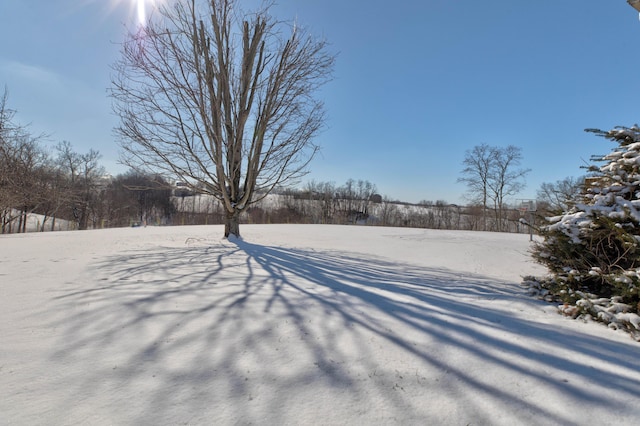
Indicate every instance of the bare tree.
{"type": "Point", "coordinates": [505, 179]}
{"type": "Point", "coordinates": [491, 174]}
{"type": "Point", "coordinates": [221, 99]}
{"type": "Point", "coordinates": [134, 198]}
{"type": "Point", "coordinates": [83, 173]}
{"type": "Point", "coordinates": [9, 132]}
{"type": "Point", "coordinates": [388, 212]}
{"type": "Point", "coordinates": [353, 198]}
{"type": "Point", "coordinates": [25, 184]}
{"type": "Point", "coordinates": [5, 134]}
{"type": "Point", "coordinates": [322, 194]}
{"type": "Point", "coordinates": [24, 171]}
{"type": "Point", "coordinates": [478, 166]}
{"type": "Point", "coordinates": [559, 196]}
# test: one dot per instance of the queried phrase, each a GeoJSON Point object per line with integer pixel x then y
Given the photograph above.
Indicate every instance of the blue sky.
{"type": "Point", "coordinates": [417, 83]}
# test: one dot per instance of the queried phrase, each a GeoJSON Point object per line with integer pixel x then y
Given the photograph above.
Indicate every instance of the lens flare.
{"type": "Point", "coordinates": [142, 13]}
{"type": "Point", "coordinates": [140, 9]}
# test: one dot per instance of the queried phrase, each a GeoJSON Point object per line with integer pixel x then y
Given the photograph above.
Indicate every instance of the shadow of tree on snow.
{"type": "Point", "coordinates": [234, 330]}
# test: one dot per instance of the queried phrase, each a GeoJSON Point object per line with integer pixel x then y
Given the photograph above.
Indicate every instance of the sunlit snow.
{"type": "Point", "coordinates": [296, 324]}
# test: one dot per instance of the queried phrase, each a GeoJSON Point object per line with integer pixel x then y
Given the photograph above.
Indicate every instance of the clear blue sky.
{"type": "Point", "coordinates": [417, 83]}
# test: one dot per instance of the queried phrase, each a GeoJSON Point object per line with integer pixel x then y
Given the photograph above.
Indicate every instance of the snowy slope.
{"type": "Point", "coordinates": [296, 324]}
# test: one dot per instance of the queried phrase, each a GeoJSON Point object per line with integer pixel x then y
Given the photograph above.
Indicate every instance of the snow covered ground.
{"type": "Point", "coordinates": [296, 324]}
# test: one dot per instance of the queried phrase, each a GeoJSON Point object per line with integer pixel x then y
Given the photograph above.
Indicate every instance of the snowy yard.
{"type": "Point", "coordinates": [296, 325]}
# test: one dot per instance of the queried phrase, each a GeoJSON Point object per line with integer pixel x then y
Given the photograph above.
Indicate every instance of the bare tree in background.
{"type": "Point", "coordinates": [83, 173]}
{"type": "Point", "coordinates": [6, 131]}
{"type": "Point", "coordinates": [492, 174]}
{"type": "Point", "coordinates": [559, 196]}
{"type": "Point", "coordinates": [220, 99]}
{"type": "Point", "coordinates": [505, 179]}
{"type": "Point", "coordinates": [478, 165]}
{"type": "Point", "coordinates": [24, 171]}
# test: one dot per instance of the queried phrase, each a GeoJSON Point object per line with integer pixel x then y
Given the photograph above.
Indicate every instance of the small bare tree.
{"type": "Point", "coordinates": [220, 99]}
{"type": "Point", "coordinates": [561, 195]}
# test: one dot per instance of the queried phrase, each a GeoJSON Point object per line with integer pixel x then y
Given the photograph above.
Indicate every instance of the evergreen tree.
{"type": "Point", "coordinates": [592, 250]}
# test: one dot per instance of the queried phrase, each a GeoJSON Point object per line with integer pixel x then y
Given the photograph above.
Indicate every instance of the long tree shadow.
{"type": "Point", "coordinates": [250, 332]}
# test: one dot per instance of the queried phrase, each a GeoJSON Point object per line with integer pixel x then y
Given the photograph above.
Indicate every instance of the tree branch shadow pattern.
{"type": "Point", "coordinates": [235, 332]}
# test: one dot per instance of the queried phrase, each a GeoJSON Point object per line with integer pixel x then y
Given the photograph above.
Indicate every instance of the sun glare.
{"type": "Point", "coordinates": [142, 13]}
{"type": "Point", "coordinates": [139, 10]}
{"type": "Point", "coordinates": [142, 6]}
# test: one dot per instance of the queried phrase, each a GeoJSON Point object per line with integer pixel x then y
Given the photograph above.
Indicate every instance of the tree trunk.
{"type": "Point", "coordinates": [24, 223]}
{"type": "Point", "coordinates": [83, 222]}
{"type": "Point", "coordinates": [232, 224]}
